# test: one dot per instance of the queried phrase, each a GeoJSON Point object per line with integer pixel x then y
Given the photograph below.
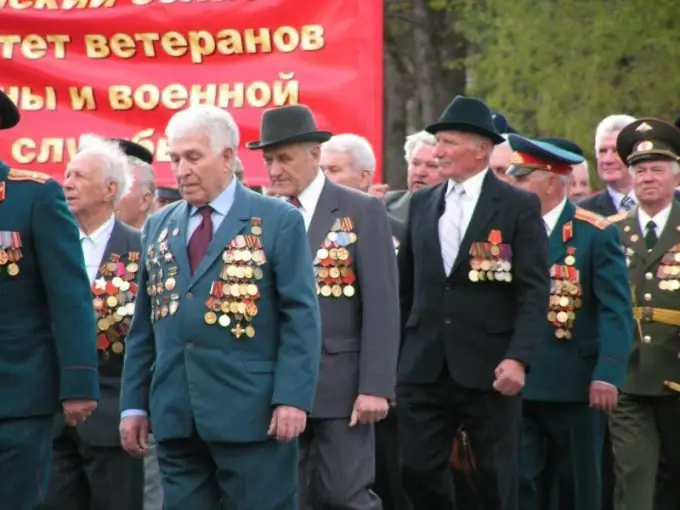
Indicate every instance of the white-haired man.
{"type": "Point", "coordinates": [223, 352]}
{"type": "Point", "coordinates": [136, 206]}
{"type": "Point", "coordinates": [88, 457]}
{"type": "Point", "coordinates": [349, 159]}
{"type": "Point", "coordinates": [500, 160]}
{"type": "Point", "coordinates": [422, 170]}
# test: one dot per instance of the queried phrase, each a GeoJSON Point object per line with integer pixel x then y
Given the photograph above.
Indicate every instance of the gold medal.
{"type": "Point", "coordinates": [132, 267]}
{"type": "Point", "coordinates": [224, 321]}
{"type": "Point", "coordinates": [334, 272]}
{"type": "Point", "coordinates": [326, 291]}
{"type": "Point", "coordinates": [117, 282]}
{"type": "Point", "coordinates": [495, 250]}
{"type": "Point", "coordinates": [485, 265]}
{"type": "Point", "coordinates": [250, 331]}
{"type": "Point", "coordinates": [170, 284]}
{"type": "Point", "coordinates": [552, 315]}
{"type": "Point", "coordinates": [256, 231]}
{"type": "Point", "coordinates": [243, 289]}
{"type": "Point", "coordinates": [473, 275]}
{"type": "Point", "coordinates": [352, 238]}
{"type": "Point", "coordinates": [241, 307]}
{"type": "Point", "coordinates": [663, 285]}
{"type": "Point", "coordinates": [348, 291]}
{"type": "Point", "coordinates": [111, 301]}
{"type": "Point", "coordinates": [343, 254]}
{"type": "Point", "coordinates": [103, 324]}
{"type": "Point", "coordinates": [564, 301]}
{"type": "Point", "coordinates": [567, 334]}
{"type": "Point", "coordinates": [559, 333]}
{"type": "Point", "coordinates": [224, 306]}
{"type": "Point", "coordinates": [173, 306]}
{"type": "Point", "coordinates": [322, 254]}
{"type": "Point", "coordinates": [210, 318]}
{"type": "Point", "coordinates": [246, 256]}
{"type": "Point", "coordinates": [569, 260]}
{"type": "Point", "coordinates": [233, 307]}
{"type": "Point", "coordinates": [4, 258]}
{"type": "Point", "coordinates": [323, 272]}
{"type": "Point", "coordinates": [234, 290]}
{"type": "Point", "coordinates": [252, 289]}
{"type": "Point", "coordinates": [251, 309]}
{"type": "Point", "coordinates": [562, 317]}
{"type": "Point", "coordinates": [13, 269]}
{"type": "Point", "coordinates": [117, 347]}
{"type": "Point", "coordinates": [336, 290]}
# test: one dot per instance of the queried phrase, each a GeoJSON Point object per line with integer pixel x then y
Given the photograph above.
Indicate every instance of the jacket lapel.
{"type": "Point", "coordinates": [117, 244]}
{"type": "Point", "coordinates": [231, 225]}
{"type": "Point", "coordinates": [176, 235]}
{"type": "Point", "coordinates": [484, 211]}
{"type": "Point", "coordinates": [556, 243]}
{"type": "Point", "coordinates": [668, 238]}
{"type": "Point", "coordinates": [323, 217]}
{"type": "Point", "coordinates": [430, 225]}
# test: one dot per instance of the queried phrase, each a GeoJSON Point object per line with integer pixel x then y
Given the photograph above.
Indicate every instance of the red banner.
{"type": "Point", "coordinates": [121, 68]}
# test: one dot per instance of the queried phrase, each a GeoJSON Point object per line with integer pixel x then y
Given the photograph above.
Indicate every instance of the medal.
{"type": "Point", "coordinates": [117, 347]}
{"type": "Point", "coordinates": [13, 269]}
{"type": "Point", "coordinates": [348, 291]}
{"type": "Point", "coordinates": [210, 318]}
{"type": "Point", "coordinates": [224, 321]}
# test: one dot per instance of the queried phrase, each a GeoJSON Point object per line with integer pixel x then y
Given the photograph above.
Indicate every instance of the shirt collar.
{"type": "Point", "coordinates": [552, 217]}
{"type": "Point", "coordinates": [102, 232]}
{"type": "Point", "coordinates": [309, 197]}
{"type": "Point", "coordinates": [660, 219]}
{"type": "Point", "coordinates": [222, 203]}
{"type": "Point", "coordinates": [472, 186]}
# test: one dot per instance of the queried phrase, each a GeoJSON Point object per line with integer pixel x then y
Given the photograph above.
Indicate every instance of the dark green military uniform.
{"type": "Point", "coordinates": [647, 422]}
{"type": "Point", "coordinates": [586, 338]}
{"type": "Point", "coordinates": [47, 346]}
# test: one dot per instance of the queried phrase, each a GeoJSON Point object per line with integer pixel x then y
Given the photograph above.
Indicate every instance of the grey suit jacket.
{"type": "Point", "coordinates": [101, 429]}
{"type": "Point", "coordinates": [398, 204]}
{"type": "Point", "coordinates": [361, 332]}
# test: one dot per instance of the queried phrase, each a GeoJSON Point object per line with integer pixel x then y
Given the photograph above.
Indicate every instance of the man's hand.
{"type": "Point", "coordinates": [134, 435]}
{"type": "Point", "coordinates": [369, 409]}
{"type": "Point", "coordinates": [378, 190]}
{"type": "Point", "coordinates": [509, 377]}
{"type": "Point", "coordinates": [603, 396]}
{"type": "Point", "coordinates": [77, 411]}
{"type": "Point", "coordinates": [287, 423]}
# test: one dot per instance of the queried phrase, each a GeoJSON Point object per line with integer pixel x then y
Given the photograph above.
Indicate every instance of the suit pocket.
{"type": "Point", "coordinates": [339, 345]}
{"type": "Point", "coordinates": [260, 367]}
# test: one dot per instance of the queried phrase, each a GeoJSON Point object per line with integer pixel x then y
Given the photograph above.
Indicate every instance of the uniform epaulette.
{"type": "Point", "coordinates": [27, 175]}
{"type": "Point", "coordinates": [594, 219]}
{"type": "Point", "coordinates": [617, 217]}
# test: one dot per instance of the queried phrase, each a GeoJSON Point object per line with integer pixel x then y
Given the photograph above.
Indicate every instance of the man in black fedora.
{"type": "Point", "coordinates": [350, 237]}
{"type": "Point", "coordinates": [474, 288]}
{"type": "Point", "coordinates": [48, 354]}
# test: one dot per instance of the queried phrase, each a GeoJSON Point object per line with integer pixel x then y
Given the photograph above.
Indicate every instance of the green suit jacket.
{"type": "Point", "coordinates": [48, 349]}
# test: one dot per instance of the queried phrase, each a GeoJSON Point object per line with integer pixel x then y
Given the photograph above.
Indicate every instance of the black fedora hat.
{"type": "Point", "coordinates": [135, 150]}
{"type": "Point", "coordinates": [648, 139]}
{"type": "Point", "coordinates": [286, 125]}
{"type": "Point", "coordinates": [9, 113]}
{"type": "Point", "coordinates": [470, 115]}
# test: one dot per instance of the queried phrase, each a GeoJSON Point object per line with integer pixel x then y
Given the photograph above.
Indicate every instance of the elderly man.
{"type": "Point", "coordinates": [473, 272]}
{"type": "Point", "coordinates": [48, 356]}
{"type": "Point", "coordinates": [579, 181]}
{"type": "Point", "coordinates": [136, 206]}
{"type": "Point", "coordinates": [223, 351]}
{"type": "Point", "coordinates": [357, 287]}
{"type": "Point", "coordinates": [422, 170]}
{"type": "Point", "coordinates": [645, 425]}
{"type": "Point", "coordinates": [500, 160]}
{"type": "Point", "coordinates": [581, 362]}
{"type": "Point", "coordinates": [349, 159]}
{"type": "Point", "coordinates": [89, 456]}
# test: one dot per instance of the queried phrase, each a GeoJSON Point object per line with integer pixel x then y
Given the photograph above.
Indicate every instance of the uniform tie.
{"type": "Point", "coordinates": [650, 235]}
{"type": "Point", "coordinates": [627, 203]}
{"type": "Point", "coordinates": [451, 232]}
{"type": "Point", "coordinates": [198, 244]}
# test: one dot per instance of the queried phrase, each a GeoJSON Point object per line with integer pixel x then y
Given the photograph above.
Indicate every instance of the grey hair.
{"type": "Point", "coordinates": [143, 173]}
{"type": "Point", "coordinates": [416, 140]}
{"type": "Point", "coordinates": [114, 163]}
{"type": "Point", "coordinates": [675, 168]}
{"type": "Point", "coordinates": [217, 124]}
{"type": "Point", "coordinates": [358, 149]}
{"type": "Point", "coordinates": [238, 169]}
{"type": "Point", "coordinates": [584, 164]}
{"type": "Point", "coordinates": [611, 124]}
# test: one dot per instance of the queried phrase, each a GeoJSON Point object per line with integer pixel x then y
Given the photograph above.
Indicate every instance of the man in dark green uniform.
{"type": "Point", "coordinates": [647, 423]}
{"type": "Point", "coordinates": [586, 338]}
{"type": "Point", "coordinates": [48, 355]}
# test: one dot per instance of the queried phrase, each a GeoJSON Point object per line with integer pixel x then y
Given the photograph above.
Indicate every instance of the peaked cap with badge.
{"type": "Point", "coordinates": [469, 115]}
{"type": "Point", "coordinates": [501, 124]}
{"type": "Point", "coordinates": [135, 150]}
{"type": "Point", "coordinates": [9, 113]}
{"type": "Point", "coordinates": [531, 155]}
{"type": "Point", "coordinates": [563, 143]}
{"type": "Point", "coordinates": [287, 125]}
{"type": "Point", "coordinates": [648, 139]}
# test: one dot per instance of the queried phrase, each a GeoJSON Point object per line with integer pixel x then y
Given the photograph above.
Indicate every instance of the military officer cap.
{"type": "Point", "coordinates": [9, 113]}
{"type": "Point", "coordinates": [135, 150]}
{"type": "Point", "coordinates": [501, 124]}
{"type": "Point", "coordinates": [563, 143]}
{"type": "Point", "coordinates": [168, 193]}
{"type": "Point", "coordinates": [648, 139]}
{"type": "Point", "coordinates": [531, 155]}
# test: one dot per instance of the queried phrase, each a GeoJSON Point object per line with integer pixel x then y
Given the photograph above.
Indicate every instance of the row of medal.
{"type": "Point", "coordinates": [668, 272]}
{"type": "Point", "coordinates": [565, 299]}
{"type": "Point", "coordinates": [10, 252]}
{"type": "Point", "coordinates": [335, 276]}
{"type": "Point", "coordinates": [233, 297]}
{"type": "Point", "coordinates": [162, 281]}
{"type": "Point", "coordinates": [114, 302]}
{"type": "Point", "coordinates": [490, 262]}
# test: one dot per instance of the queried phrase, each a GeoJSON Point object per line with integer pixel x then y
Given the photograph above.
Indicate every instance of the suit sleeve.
{"type": "Point", "coordinates": [615, 326]}
{"type": "Point", "coordinates": [532, 281]}
{"type": "Point", "coordinates": [378, 286]}
{"type": "Point", "coordinates": [69, 297]}
{"type": "Point", "coordinates": [299, 352]}
{"type": "Point", "coordinates": [140, 350]}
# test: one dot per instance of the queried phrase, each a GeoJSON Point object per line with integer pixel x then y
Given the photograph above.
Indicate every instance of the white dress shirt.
{"type": "Point", "coordinates": [94, 246]}
{"type": "Point", "coordinates": [309, 198]}
{"type": "Point", "coordinates": [660, 219]}
{"type": "Point", "coordinates": [552, 217]}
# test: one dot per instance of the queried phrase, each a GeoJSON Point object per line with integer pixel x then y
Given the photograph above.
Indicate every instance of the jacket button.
{"type": "Point", "coordinates": [648, 297]}
{"type": "Point", "coordinates": [646, 339]}
{"type": "Point", "coordinates": [649, 276]}
{"type": "Point", "coordinates": [188, 295]}
{"type": "Point", "coordinates": [447, 321]}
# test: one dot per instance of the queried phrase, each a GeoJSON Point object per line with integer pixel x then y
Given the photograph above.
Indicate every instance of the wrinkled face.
{"type": "Point", "coordinates": [291, 167]}
{"type": "Point", "coordinates": [538, 182]}
{"type": "Point", "coordinates": [134, 206]}
{"type": "Point", "coordinates": [654, 183]}
{"type": "Point", "coordinates": [201, 173]}
{"type": "Point", "coordinates": [579, 186]}
{"type": "Point", "coordinates": [500, 161]}
{"type": "Point", "coordinates": [85, 187]}
{"type": "Point", "coordinates": [338, 167]}
{"type": "Point", "coordinates": [609, 165]}
{"type": "Point", "coordinates": [423, 169]}
{"type": "Point", "coordinates": [459, 155]}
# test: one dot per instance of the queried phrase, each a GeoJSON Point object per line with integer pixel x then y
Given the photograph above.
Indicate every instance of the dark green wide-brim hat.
{"type": "Point", "coordinates": [9, 113]}
{"type": "Point", "coordinates": [287, 125]}
{"type": "Point", "coordinates": [469, 115]}
{"type": "Point", "coordinates": [648, 139]}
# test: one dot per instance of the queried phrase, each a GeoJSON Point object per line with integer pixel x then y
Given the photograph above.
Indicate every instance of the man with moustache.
{"type": "Point", "coordinates": [474, 289]}
{"type": "Point", "coordinates": [48, 357]}
{"type": "Point", "coordinates": [138, 203]}
{"type": "Point", "coordinates": [357, 287]}
{"type": "Point", "coordinates": [223, 351]}
{"type": "Point", "coordinates": [89, 456]}
{"type": "Point", "coordinates": [645, 425]}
